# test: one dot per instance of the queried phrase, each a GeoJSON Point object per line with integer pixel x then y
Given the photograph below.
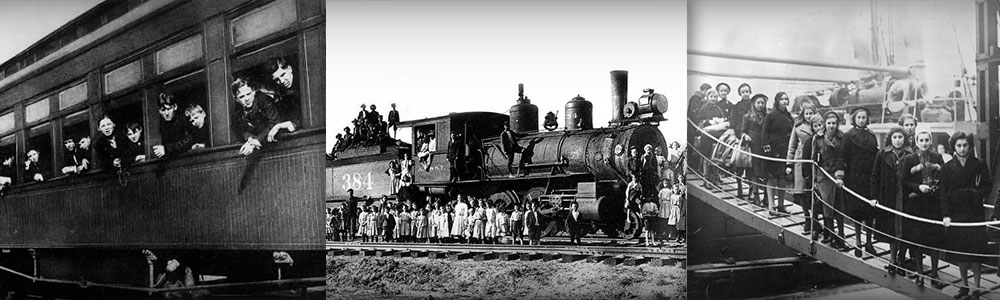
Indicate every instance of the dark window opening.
{"type": "Point", "coordinates": [38, 153]}
{"type": "Point", "coordinates": [76, 151]}
{"type": "Point", "coordinates": [189, 94]}
{"type": "Point", "coordinates": [8, 160]}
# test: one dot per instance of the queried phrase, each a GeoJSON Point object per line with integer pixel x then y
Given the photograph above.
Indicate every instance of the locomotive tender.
{"type": "Point", "coordinates": [580, 163]}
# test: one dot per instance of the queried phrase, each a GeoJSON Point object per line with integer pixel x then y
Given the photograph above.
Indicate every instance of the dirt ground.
{"type": "Point", "coordinates": [422, 278]}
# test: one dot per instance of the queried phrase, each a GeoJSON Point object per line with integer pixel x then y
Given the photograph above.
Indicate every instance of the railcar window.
{"type": "Point", "coordinates": [38, 166]}
{"type": "Point", "coordinates": [8, 157]}
{"type": "Point", "coordinates": [263, 21]}
{"type": "Point", "coordinates": [6, 122]}
{"type": "Point", "coordinates": [267, 100]}
{"type": "Point", "coordinates": [179, 54]}
{"type": "Point", "coordinates": [76, 157]}
{"type": "Point", "coordinates": [36, 111]}
{"type": "Point", "coordinates": [123, 77]}
{"type": "Point", "coordinates": [126, 118]}
{"type": "Point", "coordinates": [189, 94]}
{"type": "Point", "coordinates": [73, 95]}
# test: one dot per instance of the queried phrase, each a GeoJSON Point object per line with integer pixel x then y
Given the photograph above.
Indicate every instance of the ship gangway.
{"type": "Point", "coordinates": [787, 230]}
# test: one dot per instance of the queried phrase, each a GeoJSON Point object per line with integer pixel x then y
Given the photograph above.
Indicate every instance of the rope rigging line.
{"type": "Point", "coordinates": [872, 202]}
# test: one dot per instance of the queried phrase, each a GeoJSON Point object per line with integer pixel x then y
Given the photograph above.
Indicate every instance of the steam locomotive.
{"type": "Point", "coordinates": [580, 163]}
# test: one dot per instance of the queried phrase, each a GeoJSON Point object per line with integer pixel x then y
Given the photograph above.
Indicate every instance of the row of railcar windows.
{"type": "Point", "coordinates": [266, 108]}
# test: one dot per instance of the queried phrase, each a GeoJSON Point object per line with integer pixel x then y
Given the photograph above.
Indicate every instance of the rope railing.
{"type": "Point", "coordinates": [872, 202]}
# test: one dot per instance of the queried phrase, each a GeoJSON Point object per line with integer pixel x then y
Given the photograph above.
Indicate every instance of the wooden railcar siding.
{"type": "Point", "coordinates": [195, 205]}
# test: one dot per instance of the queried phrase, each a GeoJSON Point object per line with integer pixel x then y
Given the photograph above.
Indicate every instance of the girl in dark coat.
{"type": "Point", "coordinates": [711, 118]}
{"type": "Point", "coordinates": [753, 123]}
{"type": "Point", "coordinates": [885, 188]}
{"type": "Point", "coordinates": [860, 148]}
{"type": "Point", "coordinates": [965, 183]}
{"type": "Point", "coordinates": [775, 130]}
{"type": "Point", "coordinates": [736, 113]}
{"type": "Point", "coordinates": [919, 177]}
{"type": "Point", "coordinates": [825, 152]}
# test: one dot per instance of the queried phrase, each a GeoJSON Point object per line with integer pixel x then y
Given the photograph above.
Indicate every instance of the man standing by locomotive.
{"type": "Point", "coordinates": [648, 173]}
{"type": "Point", "coordinates": [533, 221]}
{"type": "Point", "coordinates": [351, 214]}
{"type": "Point", "coordinates": [508, 141]}
{"type": "Point", "coordinates": [175, 135]}
{"type": "Point", "coordinates": [455, 155]}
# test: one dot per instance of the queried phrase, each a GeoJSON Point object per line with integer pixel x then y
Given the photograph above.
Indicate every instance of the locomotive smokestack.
{"type": "Point", "coordinates": [619, 94]}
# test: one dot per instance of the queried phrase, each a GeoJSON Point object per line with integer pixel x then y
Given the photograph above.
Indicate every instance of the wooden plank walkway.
{"type": "Point", "coordinates": [787, 230]}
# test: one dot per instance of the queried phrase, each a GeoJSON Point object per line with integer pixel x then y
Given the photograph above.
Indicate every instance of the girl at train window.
{"type": "Point", "coordinates": [33, 167]}
{"type": "Point", "coordinates": [134, 151]}
{"type": "Point", "coordinates": [111, 144]}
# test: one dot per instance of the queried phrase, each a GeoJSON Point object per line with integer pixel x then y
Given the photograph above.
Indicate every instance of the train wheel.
{"type": "Point", "coordinates": [533, 193]}
{"type": "Point", "coordinates": [508, 197]}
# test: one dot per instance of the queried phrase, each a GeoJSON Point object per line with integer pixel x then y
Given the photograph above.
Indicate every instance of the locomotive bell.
{"type": "Point", "coordinates": [579, 114]}
{"type": "Point", "coordinates": [523, 115]}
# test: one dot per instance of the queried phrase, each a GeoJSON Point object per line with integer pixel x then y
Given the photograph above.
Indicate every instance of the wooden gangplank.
{"type": "Point", "coordinates": [787, 230]}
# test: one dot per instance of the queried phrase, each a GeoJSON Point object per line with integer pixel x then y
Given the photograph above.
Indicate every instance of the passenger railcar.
{"type": "Point", "coordinates": [579, 163]}
{"type": "Point", "coordinates": [234, 220]}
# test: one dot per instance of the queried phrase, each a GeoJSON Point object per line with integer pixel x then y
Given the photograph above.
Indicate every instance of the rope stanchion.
{"type": "Point", "coordinates": [871, 202]}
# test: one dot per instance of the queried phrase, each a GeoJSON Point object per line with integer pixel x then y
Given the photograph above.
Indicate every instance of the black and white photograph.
{"type": "Point", "coordinates": [506, 150]}
{"type": "Point", "coordinates": [843, 149]}
{"type": "Point", "coordinates": [162, 149]}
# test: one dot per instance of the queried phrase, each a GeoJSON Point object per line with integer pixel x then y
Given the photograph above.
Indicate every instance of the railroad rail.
{"type": "Point", "coordinates": [612, 255]}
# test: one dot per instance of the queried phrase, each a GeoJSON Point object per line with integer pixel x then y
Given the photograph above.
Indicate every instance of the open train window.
{"type": "Point", "coordinates": [39, 154]}
{"type": "Point", "coordinates": [127, 115]}
{"type": "Point", "coordinates": [75, 128]}
{"type": "Point", "coordinates": [272, 72]}
{"type": "Point", "coordinates": [189, 92]}
{"type": "Point", "coordinates": [8, 160]}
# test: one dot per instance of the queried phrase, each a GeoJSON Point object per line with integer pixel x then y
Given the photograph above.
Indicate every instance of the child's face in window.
{"type": "Point", "coordinates": [106, 126]}
{"type": "Point", "coordinates": [134, 135]}
{"type": "Point", "coordinates": [283, 77]}
{"type": "Point", "coordinates": [197, 119]}
{"type": "Point", "coordinates": [167, 112]}
{"type": "Point", "coordinates": [70, 145]}
{"type": "Point", "coordinates": [245, 96]}
{"type": "Point", "coordinates": [85, 143]}
{"type": "Point", "coordinates": [33, 156]}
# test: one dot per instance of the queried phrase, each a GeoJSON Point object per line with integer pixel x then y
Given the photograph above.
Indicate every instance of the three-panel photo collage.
{"type": "Point", "coordinates": [487, 149]}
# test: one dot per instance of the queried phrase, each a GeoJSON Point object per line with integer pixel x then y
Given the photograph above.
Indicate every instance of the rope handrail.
{"type": "Point", "coordinates": [872, 202]}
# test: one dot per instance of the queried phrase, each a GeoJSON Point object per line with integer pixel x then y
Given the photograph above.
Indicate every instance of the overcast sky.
{"type": "Point", "coordinates": [28, 21]}
{"type": "Point", "coordinates": [436, 57]}
{"type": "Point", "coordinates": [941, 33]}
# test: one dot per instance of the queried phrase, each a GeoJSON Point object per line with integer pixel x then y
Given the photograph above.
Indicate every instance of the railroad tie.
{"type": "Point", "coordinates": [530, 256]}
{"type": "Point", "coordinates": [551, 256]}
{"type": "Point", "coordinates": [614, 260]}
{"type": "Point", "coordinates": [508, 256]}
{"type": "Point", "coordinates": [401, 254]}
{"type": "Point", "coordinates": [418, 254]}
{"type": "Point", "coordinates": [456, 256]}
{"type": "Point", "coordinates": [635, 261]}
{"type": "Point", "coordinates": [384, 253]}
{"type": "Point", "coordinates": [437, 255]}
{"type": "Point", "coordinates": [485, 256]}
{"type": "Point", "coordinates": [662, 261]}
{"type": "Point", "coordinates": [568, 258]}
{"type": "Point", "coordinates": [597, 258]}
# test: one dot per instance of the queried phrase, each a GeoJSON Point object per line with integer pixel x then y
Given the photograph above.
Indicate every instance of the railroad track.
{"type": "Point", "coordinates": [611, 255]}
